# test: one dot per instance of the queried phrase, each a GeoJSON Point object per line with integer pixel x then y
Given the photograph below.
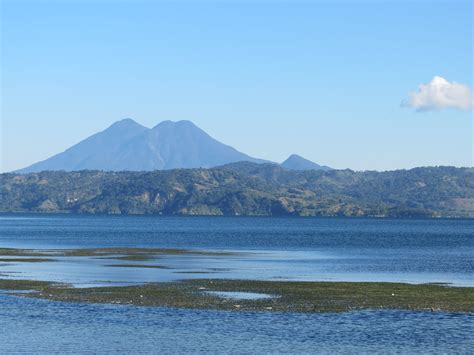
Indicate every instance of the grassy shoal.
{"type": "Point", "coordinates": [111, 253]}
{"type": "Point", "coordinates": [288, 296]}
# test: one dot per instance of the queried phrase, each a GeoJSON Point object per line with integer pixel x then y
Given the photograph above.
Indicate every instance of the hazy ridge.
{"type": "Point", "coordinates": [245, 189]}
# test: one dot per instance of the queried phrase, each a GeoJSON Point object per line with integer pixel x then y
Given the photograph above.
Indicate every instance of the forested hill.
{"type": "Point", "coordinates": [245, 189]}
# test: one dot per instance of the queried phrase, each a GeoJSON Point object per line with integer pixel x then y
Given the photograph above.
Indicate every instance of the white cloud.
{"type": "Point", "coordinates": [439, 94]}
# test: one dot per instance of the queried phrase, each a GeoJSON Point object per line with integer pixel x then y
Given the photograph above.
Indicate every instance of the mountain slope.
{"type": "Point", "coordinates": [171, 145]}
{"type": "Point", "coordinates": [96, 152]}
{"type": "Point", "coordinates": [126, 145]}
{"type": "Point", "coordinates": [245, 189]}
{"type": "Point", "coordinates": [296, 162]}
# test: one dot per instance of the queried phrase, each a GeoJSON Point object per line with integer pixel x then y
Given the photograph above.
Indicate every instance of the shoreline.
{"type": "Point", "coordinates": [65, 213]}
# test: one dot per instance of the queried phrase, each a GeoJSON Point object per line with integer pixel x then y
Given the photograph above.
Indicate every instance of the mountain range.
{"type": "Point", "coordinates": [128, 146]}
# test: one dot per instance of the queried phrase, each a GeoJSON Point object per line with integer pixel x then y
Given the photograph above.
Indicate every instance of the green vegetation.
{"type": "Point", "coordinates": [132, 257]}
{"type": "Point", "coordinates": [289, 296]}
{"type": "Point", "coordinates": [24, 252]}
{"type": "Point", "coordinates": [245, 189]}
{"type": "Point", "coordinates": [27, 285]}
{"type": "Point", "coordinates": [131, 254]}
{"type": "Point", "coordinates": [25, 260]}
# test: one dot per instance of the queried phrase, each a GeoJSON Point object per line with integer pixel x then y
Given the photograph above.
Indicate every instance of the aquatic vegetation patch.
{"type": "Point", "coordinates": [132, 257]}
{"type": "Point", "coordinates": [26, 260]}
{"type": "Point", "coordinates": [112, 253]}
{"type": "Point", "coordinates": [288, 296]}
{"type": "Point", "coordinates": [191, 272]}
{"type": "Point", "coordinates": [25, 252]}
{"type": "Point", "coordinates": [8, 284]}
{"type": "Point", "coordinates": [137, 252]}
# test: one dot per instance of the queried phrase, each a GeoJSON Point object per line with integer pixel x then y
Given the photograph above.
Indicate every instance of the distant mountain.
{"type": "Point", "coordinates": [126, 145]}
{"type": "Point", "coordinates": [99, 151]}
{"type": "Point", "coordinates": [296, 162]}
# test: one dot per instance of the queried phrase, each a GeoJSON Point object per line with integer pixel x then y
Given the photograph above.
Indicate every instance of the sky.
{"type": "Point", "coordinates": [365, 85]}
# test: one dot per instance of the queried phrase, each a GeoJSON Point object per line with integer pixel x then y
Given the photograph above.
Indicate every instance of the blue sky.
{"type": "Point", "coordinates": [322, 79]}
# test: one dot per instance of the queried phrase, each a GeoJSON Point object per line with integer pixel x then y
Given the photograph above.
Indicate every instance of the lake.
{"type": "Point", "coordinates": [309, 249]}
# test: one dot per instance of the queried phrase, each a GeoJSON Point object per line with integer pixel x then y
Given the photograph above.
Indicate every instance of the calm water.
{"type": "Point", "coordinates": [273, 248]}
{"type": "Point", "coordinates": [312, 249]}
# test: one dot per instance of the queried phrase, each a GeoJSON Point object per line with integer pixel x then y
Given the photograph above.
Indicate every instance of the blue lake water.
{"type": "Point", "coordinates": [312, 249]}
{"type": "Point", "coordinates": [40, 326]}
{"type": "Point", "coordinates": [331, 249]}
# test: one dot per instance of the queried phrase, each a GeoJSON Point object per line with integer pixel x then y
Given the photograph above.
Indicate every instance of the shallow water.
{"type": "Point", "coordinates": [240, 295]}
{"type": "Point", "coordinates": [304, 249]}
{"type": "Point", "coordinates": [274, 248]}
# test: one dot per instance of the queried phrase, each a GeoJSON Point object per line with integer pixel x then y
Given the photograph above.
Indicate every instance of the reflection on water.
{"type": "Point", "coordinates": [292, 265]}
{"type": "Point", "coordinates": [309, 249]}
{"type": "Point", "coordinates": [240, 295]}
